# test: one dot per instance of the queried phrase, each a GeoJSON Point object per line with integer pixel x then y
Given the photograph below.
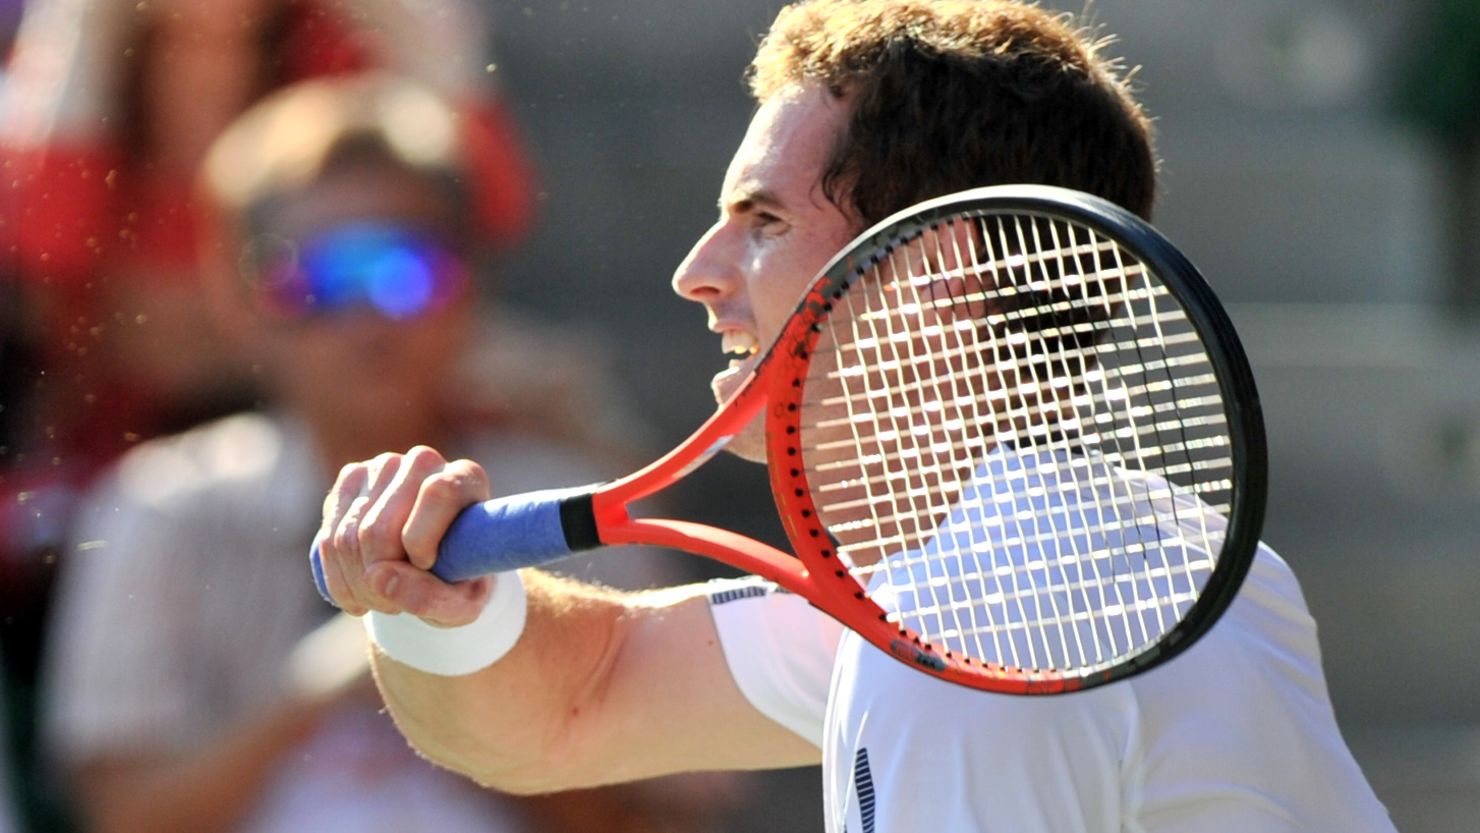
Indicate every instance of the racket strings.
{"type": "Point", "coordinates": [1002, 602]}
{"type": "Point", "coordinates": [950, 457]}
{"type": "Point", "coordinates": [1049, 320]}
{"type": "Point", "coordinates": [1114, 600]}
{"type": "Point", "coordinates": [1019, 443]}
{"type": "Point", "coordinates": [1125, 280]}
{"type": "Point", "coordinates": [1188, 451]}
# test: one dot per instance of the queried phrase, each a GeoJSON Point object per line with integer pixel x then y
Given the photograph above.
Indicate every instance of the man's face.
{"type": "Point", "coordinates": [776, 229]}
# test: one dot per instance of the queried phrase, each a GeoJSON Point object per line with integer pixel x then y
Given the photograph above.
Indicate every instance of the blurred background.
{"type": "Point", "coordinates": [1320, 164]}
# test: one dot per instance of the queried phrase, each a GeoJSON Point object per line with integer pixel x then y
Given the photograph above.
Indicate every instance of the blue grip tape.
{"type": "Point", "coordinates": [504, 534]}
{"type": "Point", "coordinates": [317, 565]}
{"type": "Point", "coordinates": [491, 537]}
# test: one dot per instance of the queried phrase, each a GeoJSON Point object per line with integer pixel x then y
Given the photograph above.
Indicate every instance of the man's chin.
{"type": "Point", "coordinates": [750, 443]}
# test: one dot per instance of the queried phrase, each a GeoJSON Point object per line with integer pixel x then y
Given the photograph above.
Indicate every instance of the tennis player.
{"type": "Point", "coordinates": [539, 684]}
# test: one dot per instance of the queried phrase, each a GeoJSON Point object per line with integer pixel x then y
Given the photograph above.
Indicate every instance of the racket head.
{"type": "Point", "coordinates": [1015, 442]}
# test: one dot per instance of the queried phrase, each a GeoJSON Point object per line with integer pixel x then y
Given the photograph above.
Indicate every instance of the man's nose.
{"type": "Point", "coordinates": [709, 273]}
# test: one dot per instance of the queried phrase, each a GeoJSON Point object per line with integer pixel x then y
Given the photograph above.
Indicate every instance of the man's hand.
{"type": "Point", "coordinates": [382, 523]}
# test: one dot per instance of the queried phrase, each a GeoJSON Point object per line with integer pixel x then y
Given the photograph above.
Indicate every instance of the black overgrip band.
{"type": "Point", "coordinates": [578, 522]}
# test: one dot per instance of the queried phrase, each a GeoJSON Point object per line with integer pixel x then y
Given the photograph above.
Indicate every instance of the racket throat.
{"type": "Point", "coordinates": [578, 521]}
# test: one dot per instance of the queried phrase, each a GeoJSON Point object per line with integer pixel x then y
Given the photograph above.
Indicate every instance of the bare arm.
{"type": "Point", "coordinates": [602, 687]}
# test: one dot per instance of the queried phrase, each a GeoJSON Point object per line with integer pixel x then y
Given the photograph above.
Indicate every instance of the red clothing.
{"type": "Point", "coordinates": [84, 214]}
{"type": "Point", "coordinates": [79, 201]}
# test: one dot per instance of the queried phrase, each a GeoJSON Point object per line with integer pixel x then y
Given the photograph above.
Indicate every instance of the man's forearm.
{"type": "Point", "coordinates": [601, 688]}
{"type": "Point", "coordinates": [525, 723]}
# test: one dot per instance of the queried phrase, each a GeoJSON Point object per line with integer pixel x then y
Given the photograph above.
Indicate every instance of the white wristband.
{"type": "Point", "coordinates": [453, 652]}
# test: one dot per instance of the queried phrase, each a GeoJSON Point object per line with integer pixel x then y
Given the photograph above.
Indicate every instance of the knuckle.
{"type": "Point", "coordinates": [425, 457]}
{"type": "Point", "coordinates": [345, 539]}
{"type": "Point", "coordinates": [377, 537]}
{"type": "Point", "coordinates": [341, 594]}
{"type": "Point", "coordinates": [349, 473]}
{"type": "Point", "coordinates": [441, 489]}
{"type": "Point", "coordinates": [383, 466]}
{"type": "Point", "coordinates": [467, 473]}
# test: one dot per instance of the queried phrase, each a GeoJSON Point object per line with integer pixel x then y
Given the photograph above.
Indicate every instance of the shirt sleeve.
{"type": "Point", "coordinates": [780, 651]}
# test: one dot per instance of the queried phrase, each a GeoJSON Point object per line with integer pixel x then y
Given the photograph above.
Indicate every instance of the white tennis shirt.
{"type": "Point", "coordinates": [1237, 734]}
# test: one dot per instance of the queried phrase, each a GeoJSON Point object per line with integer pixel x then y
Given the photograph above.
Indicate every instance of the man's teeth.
{"type": "Point", "coordinates": [740, 344]}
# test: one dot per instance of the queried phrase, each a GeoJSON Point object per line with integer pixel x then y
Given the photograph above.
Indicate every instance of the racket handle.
{"type": "Point", "coordinates": [505, 534]}
{"type": "Point", "coordinates": [519, 531]}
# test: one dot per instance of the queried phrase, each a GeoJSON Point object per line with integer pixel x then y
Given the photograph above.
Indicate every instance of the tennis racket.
{"type": "Point", "coordinates": [1012, 437]}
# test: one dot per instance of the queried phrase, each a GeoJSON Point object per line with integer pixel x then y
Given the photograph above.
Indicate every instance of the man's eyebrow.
{"type": "Point", "coordinates": [746, 200]}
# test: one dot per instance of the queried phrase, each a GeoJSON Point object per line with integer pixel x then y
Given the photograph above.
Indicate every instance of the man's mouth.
{"type": "Point", "coordinates": [740, 345]}
{"type": "Point", "coordinates": [743, 349]}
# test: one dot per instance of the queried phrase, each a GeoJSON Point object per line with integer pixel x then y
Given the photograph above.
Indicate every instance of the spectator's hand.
{"type": "Point", "coordinates": [382, 523]}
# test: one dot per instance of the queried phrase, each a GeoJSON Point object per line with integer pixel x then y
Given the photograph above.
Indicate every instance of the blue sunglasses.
{"type": "Point", "coordinates": [398, 271]}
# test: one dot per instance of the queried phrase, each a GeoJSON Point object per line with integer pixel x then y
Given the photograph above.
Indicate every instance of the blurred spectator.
{"type": "Point", "coordinates": [112, 105]}
{"type": "Point", "coordinates": [107, 109]}
{"type": "Point", "coordinates": [345, 267]}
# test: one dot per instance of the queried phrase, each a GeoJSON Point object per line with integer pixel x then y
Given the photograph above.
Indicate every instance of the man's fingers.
{"type": "Point", "coordinates": [349, 485]}
{"type": "Point", "coordinates": [440, 499]}
{"type": "Point", "coordinates": [397, 486]}
{"type": "Point", "coordinates": [347, 514]}
{"type": "Point", "coordinates": [382, 523]}
{"type": "Point", "coordinates": [424, 595]}
{"type": "Point", "coordinates": [333, 544]}
{"type": "Point", "coordinates": [345, 544]}
{"type": "Point", "coordinates": [339, 589]}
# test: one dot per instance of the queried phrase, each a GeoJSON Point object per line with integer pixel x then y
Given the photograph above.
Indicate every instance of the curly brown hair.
{"type": "Point", "coordinates": [953, 94]}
